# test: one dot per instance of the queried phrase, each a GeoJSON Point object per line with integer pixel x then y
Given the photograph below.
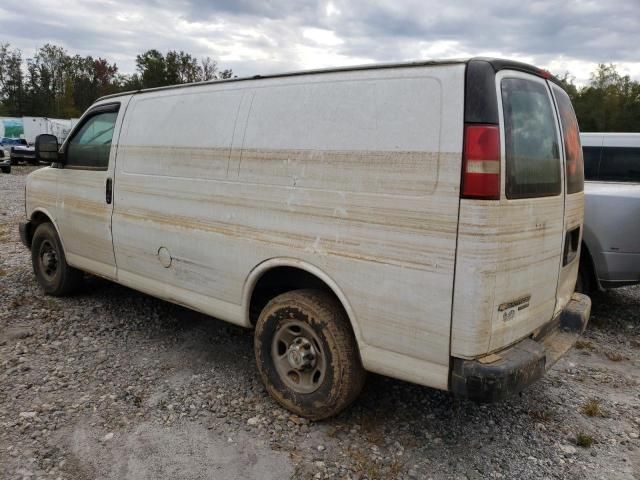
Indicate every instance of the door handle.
{"type": "Point", "coordinates": [109, 191]}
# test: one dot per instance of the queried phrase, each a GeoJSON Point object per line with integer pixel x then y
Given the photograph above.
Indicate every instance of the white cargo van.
{"type": "Point", "coordinates": [421, 221]}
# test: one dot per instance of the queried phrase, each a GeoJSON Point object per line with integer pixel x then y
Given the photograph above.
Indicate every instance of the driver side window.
{"type": "Point", "coordinates": [90, 146]}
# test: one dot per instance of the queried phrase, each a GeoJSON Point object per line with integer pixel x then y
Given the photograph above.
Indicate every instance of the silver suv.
{"type": "Point", "coordinates": [611, 242]}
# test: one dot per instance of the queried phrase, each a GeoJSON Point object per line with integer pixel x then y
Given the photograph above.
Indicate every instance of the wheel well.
{"type": "Point", "coordinates": [587, 262]}
{"type": "Point", "coordinates": [37, 218]}
{"type": "Point", "coordinates": [279, 280]}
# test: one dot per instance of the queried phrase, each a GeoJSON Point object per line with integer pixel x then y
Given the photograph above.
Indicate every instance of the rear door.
{"type": "Point", "coordinates": [574, 197]}
{"type": "Point", "coordinates": [531, 221]}
{"type": "Point", "coordinates": [509, 241]}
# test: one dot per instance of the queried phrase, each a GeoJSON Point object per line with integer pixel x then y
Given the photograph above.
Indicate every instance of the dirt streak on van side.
{"type": "Point", "coordinates": [392, 172]}
{"type": "Point", "coordinates": [398, 230]}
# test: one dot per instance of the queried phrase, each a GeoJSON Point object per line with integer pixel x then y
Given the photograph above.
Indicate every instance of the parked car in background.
{"type": "Point", "coordinates": [23, 153]}
{"type": "Point", "coordinates": [611, 242]}
{"type": "Point", "coordinates": [5, 162]}
{"type": "Point", "coordinates": [7, 143]}
{"type": "Point", "coordinates": [18, 150]}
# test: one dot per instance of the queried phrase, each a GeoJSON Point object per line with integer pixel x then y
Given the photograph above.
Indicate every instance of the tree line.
{"type": "Point", "coordinates": [57, 84]}
{"type": "Point", "coordinates": [610, 102]}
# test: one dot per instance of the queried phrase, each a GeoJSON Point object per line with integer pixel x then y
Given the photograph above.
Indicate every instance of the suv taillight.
{"type": "Point", "coordinates": [481, 162]}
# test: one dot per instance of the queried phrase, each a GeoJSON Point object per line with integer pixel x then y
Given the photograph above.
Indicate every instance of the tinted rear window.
{"type": "Point", "coordinates": [531, 143]}
{"type": "Point", "coordinates": [619, 164]}
{"type": "Point", "coordinates": [591, 162]}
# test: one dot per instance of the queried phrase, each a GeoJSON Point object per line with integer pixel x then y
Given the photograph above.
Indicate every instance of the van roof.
{"type": "Point", "coordinates": [497, 64]}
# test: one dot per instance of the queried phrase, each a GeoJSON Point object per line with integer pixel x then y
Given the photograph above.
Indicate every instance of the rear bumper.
{"type": "Point", "coordinates": [18, 154]}
{"type": "Point", "coordinates": [513, 369]}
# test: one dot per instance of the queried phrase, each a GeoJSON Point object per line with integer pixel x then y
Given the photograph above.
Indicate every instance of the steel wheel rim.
{"type": "Point", "coordinates": [298, 356]}
{"type": "Point", "coordinates": [48, 257]}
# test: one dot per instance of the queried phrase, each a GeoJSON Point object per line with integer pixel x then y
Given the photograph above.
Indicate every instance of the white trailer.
{"type": "Point", "coordinates": [34, 126]}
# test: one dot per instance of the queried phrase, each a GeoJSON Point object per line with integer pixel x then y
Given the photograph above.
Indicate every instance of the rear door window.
{"type": "Point", "coordinates": [591, 157]}
{"type": "Point", "coordinates": [620, 164]}
{"type": "Point", "coordinates": [531, 142]}
{"type": "Point", "coordinates": [574, 167]}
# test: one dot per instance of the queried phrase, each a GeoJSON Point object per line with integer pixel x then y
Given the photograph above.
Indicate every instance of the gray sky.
{"type": "Point", "coordinates": [266, 36]}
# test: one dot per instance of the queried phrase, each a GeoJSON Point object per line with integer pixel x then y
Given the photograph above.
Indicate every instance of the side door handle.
{"type": "Point", "coordinates": [109, 191]}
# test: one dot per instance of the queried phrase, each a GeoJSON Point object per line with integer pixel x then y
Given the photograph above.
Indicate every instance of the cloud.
{"type": "Point", "coordinates": [274, 35]}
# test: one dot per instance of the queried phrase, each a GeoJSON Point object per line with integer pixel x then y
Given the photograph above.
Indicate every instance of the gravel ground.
{"type": "Point", "coordinates": [114, 384]}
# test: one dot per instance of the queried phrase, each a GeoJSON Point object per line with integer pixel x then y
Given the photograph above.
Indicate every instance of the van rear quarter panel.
{"type": "Point", "coordinates": [356, 173]}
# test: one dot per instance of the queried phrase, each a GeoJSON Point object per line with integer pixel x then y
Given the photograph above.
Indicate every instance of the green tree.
{"type": "Point", "coordinates": [152, 68]}
{"type": "Point", "coordinates": [609, 103]}
{"type": "Point", "coordinates": [83, 82]}
{"type": "Point", "coordinates": [54, 83]}
{"type": "Point", "coordinates": [67, 105]}
{"type": "Point", "coordinates": [128, 83]}
{"type": "Point", "coordinates": [11, 81]}
{"type": "Point", "coordinates": [157, 70]}
{"type": "Point", "coordinates": [181, 68]}
{"type": "Point", "coordinates": [38, 101]}
{"type": "Point", "coordinates": [53, 62]}
{"type": "Point", "coordinates": [106, 76]}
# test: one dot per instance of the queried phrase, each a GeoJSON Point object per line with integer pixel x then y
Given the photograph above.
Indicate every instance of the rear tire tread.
{"type": "Point", "coordinates": [348, 374]}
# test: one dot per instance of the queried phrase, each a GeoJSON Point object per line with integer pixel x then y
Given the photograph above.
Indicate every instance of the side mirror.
{"type": "Point", "coordinates": [47, 148]}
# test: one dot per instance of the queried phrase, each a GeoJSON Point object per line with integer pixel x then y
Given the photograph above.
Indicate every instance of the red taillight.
{"type": "Point", "coordinates": [481, 162]}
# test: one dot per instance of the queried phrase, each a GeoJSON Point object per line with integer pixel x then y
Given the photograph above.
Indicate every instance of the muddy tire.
{"type": "Point", "coordinates": [307, 354]}
{"type": "Point", "coordinates": [50, 266]}
{"type": "Point", "coordinates": [6, 169]}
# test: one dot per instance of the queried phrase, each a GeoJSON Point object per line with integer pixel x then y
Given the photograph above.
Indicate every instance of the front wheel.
{"type": "Point", "coordinates": [50, 266]}
{"type": "Point", "coordinates": [307, 354]}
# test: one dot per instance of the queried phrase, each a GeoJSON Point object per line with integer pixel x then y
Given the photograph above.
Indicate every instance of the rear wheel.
{"type": "Point", "coordinates": [50, 266]}
{"type": "Point", "coordinates": [307, 354]}
{"type": "Point", "coordinates": [6, 169]}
